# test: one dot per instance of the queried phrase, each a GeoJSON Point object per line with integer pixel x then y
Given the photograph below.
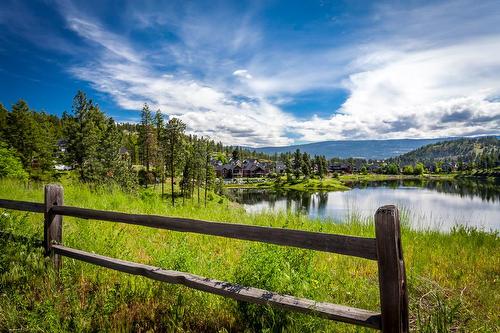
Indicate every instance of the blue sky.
{"type": "Point", "coordinates": [263, 73]}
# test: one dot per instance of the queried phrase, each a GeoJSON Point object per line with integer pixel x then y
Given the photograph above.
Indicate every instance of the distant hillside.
{"type": "Point", "coordinates": [368, 149]}
{"type": "Point", "coordinates": [465, 149]}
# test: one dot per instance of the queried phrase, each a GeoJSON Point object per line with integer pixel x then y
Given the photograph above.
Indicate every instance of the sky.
{"type": "Point", "coordinates": [263, 73]}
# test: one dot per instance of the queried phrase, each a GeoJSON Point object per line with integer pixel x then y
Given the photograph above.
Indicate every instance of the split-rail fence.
{"type": "Point", "coordinates": [385, 248]}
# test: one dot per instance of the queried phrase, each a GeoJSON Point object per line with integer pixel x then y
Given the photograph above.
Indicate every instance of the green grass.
{"type": "Point", "coordinates": [453, 278]}
{"type": "Point", "coordinates": [382, 177]}
{"type": "Point", "coordinates": [303, 184]}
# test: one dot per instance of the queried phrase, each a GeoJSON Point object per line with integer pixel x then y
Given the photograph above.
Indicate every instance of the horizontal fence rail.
{"type": "Point", "coordinates": [23, 205]}
{"type": "Point", "coordinates": [348, 245]}
{"type": "Point", "coordinates": [385, 248]}
{"type": "Point", "coordinates": [248, 294]}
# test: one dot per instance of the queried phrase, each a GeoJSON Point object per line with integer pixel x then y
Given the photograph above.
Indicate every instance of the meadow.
{"type": "Point", "coordinates": [453, 278]}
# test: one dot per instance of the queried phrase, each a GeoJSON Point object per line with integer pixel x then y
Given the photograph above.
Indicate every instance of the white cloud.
{"type": "Point", "coordinates": [206, 110]}
{"type": "Point", "coordinates": [111, 42]}
{"type": "Point", "coordinates": [418, 80]}
{"type": "Point", "coordinates": [421, 93]}
{"type": "Point", "coordinates": [243, 73]}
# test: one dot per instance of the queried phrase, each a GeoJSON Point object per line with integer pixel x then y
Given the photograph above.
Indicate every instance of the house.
{"type": "Point", "coordinates": [280, 167]}
{"type": "Point", "coordinates": [236, 169]}
{"type": "Point", "coordinates": [340, 167]}
{"type": "Point", "coordinates": [374, 168]}
{"type": "Point", "coordinates": [62, 145]}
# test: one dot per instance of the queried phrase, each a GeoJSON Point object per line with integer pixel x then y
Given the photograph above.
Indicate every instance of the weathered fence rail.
{"type": "Point", "coordinates": [385, 248]}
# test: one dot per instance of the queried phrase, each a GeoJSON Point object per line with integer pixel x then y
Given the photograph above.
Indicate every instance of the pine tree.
{"type": "Point", "coordinates": [306, 164]}
{"type": "Point", "coordinates": [209, 172]}
{"type": "Point", "coordinates": [31, 134]}
{"type": "Point", "coordinates": [146, 138]}
{"type": "Point", "coordinates": [161, 148]}
{"type": "Point", "coordinates": [93, 145]}
{"type": "Point", "coordinates": [174, 138]}
{"type": "Point", "coordinates": [4, 113]}
{"type": "Point", "coordinates": [297, 163]}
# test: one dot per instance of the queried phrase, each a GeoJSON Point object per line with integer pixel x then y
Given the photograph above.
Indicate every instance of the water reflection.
{"type": "Point", "coordinates": [427, 203]}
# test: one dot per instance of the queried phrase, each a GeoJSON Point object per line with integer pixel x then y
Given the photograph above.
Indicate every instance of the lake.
{"type": "Point", "coordinates": [429, 204]}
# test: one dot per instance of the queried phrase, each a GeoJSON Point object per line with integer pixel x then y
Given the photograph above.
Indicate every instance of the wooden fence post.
{"type": "Point", "coordinates": [391, 271]}
{"type": "Point", "coordinates": [52, 228]}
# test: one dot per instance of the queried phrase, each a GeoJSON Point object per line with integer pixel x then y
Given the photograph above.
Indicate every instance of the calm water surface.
{"type": "Point", "coordinates": [428, 204]}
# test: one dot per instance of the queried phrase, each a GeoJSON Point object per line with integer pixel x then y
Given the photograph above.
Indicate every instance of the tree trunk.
{"type": "Point", "coordinates": [172, 171]}
{"type": "Point", "coordinates": [206, 175]}
{"type": "Point", "coordinates": [162, 182]}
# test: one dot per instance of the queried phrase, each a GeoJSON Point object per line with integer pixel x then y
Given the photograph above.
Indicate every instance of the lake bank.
{"type": "Point", "coordinates": [340, 183]}
{"type": "Point", "coordinates": [429, 203]}
{"type": "Point", "coordinates": [452, 277]}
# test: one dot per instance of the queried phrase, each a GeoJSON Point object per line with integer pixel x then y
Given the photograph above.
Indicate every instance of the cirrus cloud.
{"type": "Point", "coordinates": [422, 80]}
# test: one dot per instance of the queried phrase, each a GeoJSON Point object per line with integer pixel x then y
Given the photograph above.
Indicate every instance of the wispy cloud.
{"type": "Point", "coordinates": [428, 70]}
{"type": "Point", "coordinates": [109, 41]}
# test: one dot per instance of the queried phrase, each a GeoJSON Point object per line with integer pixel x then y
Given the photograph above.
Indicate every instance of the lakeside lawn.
{"type": "Point", "coordinates": [338, 183]}
{"type": "Point", "coordinates": [330, 184]}
{"type": "Point", "coordinates": [453, 278]}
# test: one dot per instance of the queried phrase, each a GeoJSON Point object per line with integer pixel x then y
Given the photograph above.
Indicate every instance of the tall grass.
{"type": "Point", "coordinates": [453, 278]}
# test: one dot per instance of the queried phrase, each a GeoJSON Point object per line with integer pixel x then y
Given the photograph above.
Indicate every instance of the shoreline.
{"type": "Point", "coordinates": [337, 184]}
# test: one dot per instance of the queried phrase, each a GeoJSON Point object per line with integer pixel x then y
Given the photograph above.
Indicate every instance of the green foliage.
{"type": "Point", "coordinates": [93, 146]}
{"type": "Point", "coordinates": [297, 163]}
{"type": "Point", "coordinates": [31, 134]}
{"type": "Point", "coordinates": [452, 277]}
{"type": "Point", "coordinates": [419, 169]}
{"type": "Point", "coordinates": [221, 157]}
{"type": "Point", "coordinates": [174, 149]}
{"type": "Point", "coordinates": [274, 268]}
{"type": "Point", "coordinates": [147, 140]}
{"type": "Point", "coordinates": [363, 170]}
{"type": "Point", "coordinates": [392, 169]}
{"type": "Point", "coordinates": [10, 164]}
{"type": "Point", "coordinates": [4, 113]}
{"type": "Point", "coordinates": [408, 170]}
{"type": "Point", "coordinates": [465, 150]}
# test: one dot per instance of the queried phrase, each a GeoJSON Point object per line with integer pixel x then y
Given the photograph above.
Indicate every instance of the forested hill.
{"type": "Point", "coordinates": [464, 149]}
{"type": "Point", "coordinates": [367, 149]}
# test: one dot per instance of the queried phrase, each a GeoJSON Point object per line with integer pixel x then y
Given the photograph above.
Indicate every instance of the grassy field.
{"type": "Point", "coordinates": [453, 278]}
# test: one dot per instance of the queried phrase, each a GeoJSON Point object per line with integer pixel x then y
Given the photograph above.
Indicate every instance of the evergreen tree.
{"type": "Point", "coordinates": [288, 168]}
{"type": "Point", "coordinates": [235, 155]}
{"type": "Point", "coordinates": [161, 148]}
{"type": "Point", "coordinates": [93, 145]}
{"type": "Point", "coordinates": [209, 172]}
{"type": "Point", "coordinates": [146, 138]}
{"type": "Point", "coordinates": [174, 146]}
{"type": "Point", "coordinates": [31, 135]}
{"type": "Point", "coordinates": [297, 163]}
{"type": "Point", "coordinates": [306, 165]}
{"type": "Point", "coordinates": [3, 121]}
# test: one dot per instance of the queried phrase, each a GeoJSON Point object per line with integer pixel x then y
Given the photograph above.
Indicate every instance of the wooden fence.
{"type": "Point", "coordinates": [385, 248]}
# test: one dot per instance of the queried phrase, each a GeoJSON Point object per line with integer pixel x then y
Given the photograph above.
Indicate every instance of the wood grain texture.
{"type": "Point", "coordinates": [52, 228]}
{"type": "Point", "coordinates": [248, 294]}
{"type": "Point", "coordinates": [26, 206]}
{"type": "Point", "coordinates": [392, 277]}
{"type": "Point", "coordinates": [348, 245]}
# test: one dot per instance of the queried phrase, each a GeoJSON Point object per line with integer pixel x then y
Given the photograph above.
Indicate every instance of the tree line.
{"type": "Point", "coordinates": [101, 152]}
{"type": "Point", "coordinates": [299, 164]}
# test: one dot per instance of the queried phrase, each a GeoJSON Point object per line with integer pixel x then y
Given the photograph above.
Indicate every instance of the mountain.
{"type": "Point", "coordinates": [368, 149]}
{"type": "Point", "coordinates": [464, 149]}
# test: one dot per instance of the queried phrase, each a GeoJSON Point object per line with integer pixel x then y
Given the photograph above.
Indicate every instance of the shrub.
{"type": "Point", "coordinates": [408, 170]}
{"type": "Point", "coordinates": [10, 164]}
